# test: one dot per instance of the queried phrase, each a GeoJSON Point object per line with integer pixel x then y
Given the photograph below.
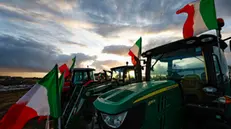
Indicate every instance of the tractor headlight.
{"type": "Point", "coordinates": [114, 121]}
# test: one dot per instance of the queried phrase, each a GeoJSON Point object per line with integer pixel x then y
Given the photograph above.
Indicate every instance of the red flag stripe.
{"type": "Point", "coordinates": [17, 116]}
{"type": "Point", "coordinates": [188, 30]}
{"type": "Point", "coordinates": [132, 57]}
{"type": "Point", "coordinates": [63, 68]}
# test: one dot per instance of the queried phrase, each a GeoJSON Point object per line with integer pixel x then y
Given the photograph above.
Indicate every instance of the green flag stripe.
{"type": "Point", "coordinates": [50, 83]}
{"type": "Point", "coordinates": [208, 13]}
{"type": "Point", "coordinates": [139, 44]}
{"type": "Point", "coordinates": [61, 82]}
{"type": "Point", "coordinates": [73, 64]}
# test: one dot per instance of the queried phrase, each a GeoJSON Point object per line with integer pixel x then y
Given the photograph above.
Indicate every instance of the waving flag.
{"type": "Point", "coordinates": [61, 83]}
{"type": "Point", "coordinates": [135, 51]}
{"type": "Point", "coordinates": [43, 99]}
{"type": "Point", "coordinates": [201, 17]}
{"type": "Point", "coordinates": [67, 67]}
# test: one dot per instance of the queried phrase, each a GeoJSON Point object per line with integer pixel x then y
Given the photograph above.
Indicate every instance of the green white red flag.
{"type": "Point", "coordinates": [43, 99]}
{"type": "Point", "coordinates": [67, 67]}
{"type": "Point", "coordinates": [201, 17]}
{"type": "Point", "coordinates": [135, 51]}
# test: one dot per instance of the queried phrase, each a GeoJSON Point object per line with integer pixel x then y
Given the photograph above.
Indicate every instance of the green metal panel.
{"type": "Point", "coordinates": [164, 111]}
{"type": "Point", "coordinates": [173, 110]}
{"type": "Point", "coordinates": [115, 101]}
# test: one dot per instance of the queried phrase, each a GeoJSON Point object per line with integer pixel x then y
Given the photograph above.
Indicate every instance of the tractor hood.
{"type": "Point", "coordinates": [120, 99]}
{"type": "Point", "coordinates": [99, 88]}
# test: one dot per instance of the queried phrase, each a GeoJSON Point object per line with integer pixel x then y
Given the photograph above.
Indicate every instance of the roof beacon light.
{"type": "Point", "coordinates": [221, 22]}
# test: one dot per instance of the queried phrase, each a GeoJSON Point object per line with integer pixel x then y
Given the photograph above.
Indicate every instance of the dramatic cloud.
{"type": "Point", "coordinates": [36, 34]}
{"type": "Point", "coordinates": [146, 15]}
{"type": "Point", "coordinates": [73, 43]}
{"type": "Point", "coordinates": [116, 49]}
{"type": "Point", "coordinates": [223, 8]}
{"type": "Point", "coordinates": [28, 55]}
{"type": "Point", "coordinates": [107, 64]}
{"type": "Point", "coordinates": [81, 58]}
{"type": "Point", "coordinates": [158, 42]}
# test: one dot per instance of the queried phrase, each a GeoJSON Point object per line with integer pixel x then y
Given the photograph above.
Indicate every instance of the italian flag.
{"type": "Point", "coordinates": [43, 99]}
{"type": "Point", "coordinates": [135, 51]}
{"type": "Point", "coordinates": [67, 67]}
{"type": "Point", "coordinates": [201, 17]}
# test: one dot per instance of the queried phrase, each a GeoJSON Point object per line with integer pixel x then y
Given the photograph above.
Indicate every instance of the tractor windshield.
{"type": "Point", "coordinates": [178, 64]}
{"type": "Point", "coordinates": [130, 76]}
{"type": "Point", "coordinates": [80, 76]}
{"type": "Point", "coordinates": [117, 74]}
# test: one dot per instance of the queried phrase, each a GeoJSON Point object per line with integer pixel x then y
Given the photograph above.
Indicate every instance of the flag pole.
{"type": "Point", "coordinates": [48, 122]}
{"type": "Point", "coordinates": [220, 23]}
{"type": "Point", "coordinates": [58, 121]}
{"type": "Point", "coordinates": [138, 65]}
{"type": "Point", "coordinates": [218, 42]}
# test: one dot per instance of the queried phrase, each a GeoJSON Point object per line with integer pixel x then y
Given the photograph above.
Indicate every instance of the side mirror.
{"type": "Point", "coordinates": [211, 91]}
{"type": "Point", "coordinates": [230, 45]}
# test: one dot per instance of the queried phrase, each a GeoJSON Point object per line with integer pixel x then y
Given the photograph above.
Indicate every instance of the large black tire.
{"type": "Point", "coordinates": [216, 125]}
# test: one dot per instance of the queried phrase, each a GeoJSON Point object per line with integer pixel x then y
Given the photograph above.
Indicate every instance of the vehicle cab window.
{"type": "Point", "coordinates": [92, 75]}
{"type": "Point", "coordinates": [85, 77]}
{"type": "Point", "coordinates": [160, 70]}
{"type": "Point", "coordinates": [130, 76]}
{"type": "Point", "coordinates": [178, 65]}
{"type": "Point", "coordinates": [79, 77]}
{"type": "Point", "coordinates": [117, 74]}
{"type": "Point", "coordinates": [220, 63]}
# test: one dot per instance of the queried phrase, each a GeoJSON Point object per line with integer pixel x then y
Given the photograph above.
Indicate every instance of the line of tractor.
{"type": "Point", "coordinates": [186, 86]}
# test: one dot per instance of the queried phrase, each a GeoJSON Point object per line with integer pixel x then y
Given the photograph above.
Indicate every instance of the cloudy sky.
{"type": "Point", "coordinates": [37, 34]}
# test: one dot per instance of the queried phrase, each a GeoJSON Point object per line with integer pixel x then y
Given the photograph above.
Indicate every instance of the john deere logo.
{"type": "Point", "coordinates": [151, 102]}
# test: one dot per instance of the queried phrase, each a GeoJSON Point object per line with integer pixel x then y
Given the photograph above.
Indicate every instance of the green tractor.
{"type": "Point", "coordinates": [121, 76]}
{"type": "Point", "coordinates": [186, 86]}
{"type": "Point", "coordinates": [104, 76]}
{"type": "Point", "coordinates": [79, 110]}
{"type": "Point", "coordinates": [78, 76]}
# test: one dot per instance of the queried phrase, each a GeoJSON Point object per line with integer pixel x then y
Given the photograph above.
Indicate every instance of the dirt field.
{"type": "Point", "coordinates": [9, 98]}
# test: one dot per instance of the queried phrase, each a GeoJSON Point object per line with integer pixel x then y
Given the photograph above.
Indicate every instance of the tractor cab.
{"type": "Point", "coordinates": [78, 76]}
{"type": "Point", "coordinates": [120, 76]}
{"type": "Point", "coordinates": [123, 74]}
{"type": "Point", "coordinates": [187, 86]}
{"type": "Point", "coordinates": [104, 76]}
{"type": "Point", "coordinates": [82, 75]}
